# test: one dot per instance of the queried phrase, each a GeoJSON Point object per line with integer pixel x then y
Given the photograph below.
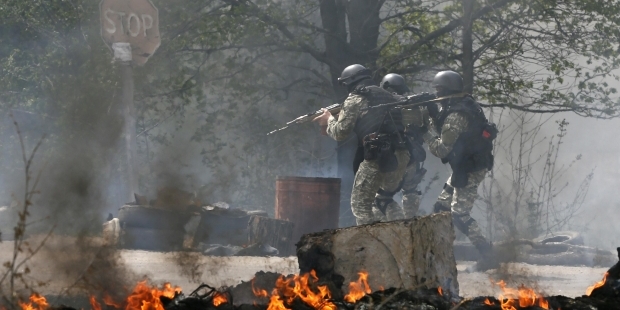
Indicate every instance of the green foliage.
{"type": "Point", "coordinates": [234, 70]}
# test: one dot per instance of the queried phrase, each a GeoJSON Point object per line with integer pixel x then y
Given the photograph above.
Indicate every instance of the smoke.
{"type": "Point", "coordinates": [78, 162]}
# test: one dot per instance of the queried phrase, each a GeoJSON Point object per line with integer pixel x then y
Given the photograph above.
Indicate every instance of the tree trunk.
{"type": "Point", "coordinates": [364, 23]}
{"type": "Point", "coordinates": [344, 50]}
{"type": "Point", "coordinates": [333, 17]}
{"type": "Point", "coordinates": [468, 58]}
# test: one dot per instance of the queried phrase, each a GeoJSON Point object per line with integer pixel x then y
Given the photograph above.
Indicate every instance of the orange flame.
{"type": "Point", "coordinates": [37, 302]}
{"type": "Point", "coordinates": [358, 289]}
{"type": "Point", "coordinates": [94, 304]}
{"type": "Point", "coordinates": [144, 297]}
{"type": "Point", "coordinates": [488, 302]}
{"type": "Point", "coordinates": [597, 284]}
{"type": "Point", "coordinates": [107, 299]}
{"type": "Point", "coordinates": [275, 303]}
{"type": "Point", "coordinates": [218, 299]}
{"type": "Point", "coordinates": [258, 292]}
{"type": "Point", "coordinates": [440, 290]}
{"type": "Point", "coordinates": [297, 287]}
{"type": "Point", "coordinates": [523, 296]}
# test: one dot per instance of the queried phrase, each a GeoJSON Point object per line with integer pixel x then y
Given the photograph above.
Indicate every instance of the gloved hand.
{"type": "Point", "coordinates": [433, 109]}
{"type": "Point", "coordinates": [427, 121]}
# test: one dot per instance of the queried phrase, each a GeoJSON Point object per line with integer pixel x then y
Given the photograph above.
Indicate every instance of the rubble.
{"type": "Point", "coordinates": [274, 232]}
{"type": "Point", "coordinates": [557, 250]}
{"type": "Point", "coordinates": [177, 220]}
{"type": "Point", "coordinates": [255, 249]}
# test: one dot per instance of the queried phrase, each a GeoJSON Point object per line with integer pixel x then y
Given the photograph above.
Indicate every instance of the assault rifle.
{"type": "Point", "coordinates": [408, 102]}
{"type": "Point", "coordinates": [413, 101]}
{"type": "Point", "coordinates": [333, 109]}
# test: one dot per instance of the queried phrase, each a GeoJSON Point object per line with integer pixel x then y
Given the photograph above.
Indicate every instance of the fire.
{"type": "Point", "coordinates": [218, 299]}
{"type": "Point", "coordinates": [110, 302]}
{"type": "Point", "coordinates": [440, 291]}
{"type": "Point", "coordinates": [297, 287]}
{"type": "Point", "coordinates": [144, 297]}
{"type": "Point", "coordinates": [358, 289]}
{"type": "Point", "coordinates": [37, 302]}
{"type": "Point", "coordinates": [488, 302]}
{"type": "Point", "coordinates": [94, 304]}
{"type": "Point", "coordinates": [259, 292]}
{"type": "Point", "coordinates": [523, 297]}
{"type": "Point", "coordinates": [597, 284]}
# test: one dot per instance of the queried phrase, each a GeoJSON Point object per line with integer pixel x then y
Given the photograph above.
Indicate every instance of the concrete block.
{"type": "Point", "coordinates": [406, 254]}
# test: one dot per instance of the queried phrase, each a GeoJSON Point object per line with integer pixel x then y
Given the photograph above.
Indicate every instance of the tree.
{"type": "Point", "coordinates": [244, 66]}
{"type": "Point", "coordinates": [518, 54]}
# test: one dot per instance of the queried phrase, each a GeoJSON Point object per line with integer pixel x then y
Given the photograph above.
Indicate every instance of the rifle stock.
{"type": "Point", "coordinates": [333, 109]}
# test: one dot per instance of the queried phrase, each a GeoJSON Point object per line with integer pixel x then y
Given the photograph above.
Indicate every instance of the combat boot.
{"type": "Point", "coordinates": [487, 258]}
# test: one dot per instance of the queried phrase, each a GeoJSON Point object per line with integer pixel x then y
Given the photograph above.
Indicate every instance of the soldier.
{"type": "Point", "coordinates": [465, 142]}
{"type": "Point", "coordinates": [382, 152]}
{"type": "Point", "coordinates": [415, 171]}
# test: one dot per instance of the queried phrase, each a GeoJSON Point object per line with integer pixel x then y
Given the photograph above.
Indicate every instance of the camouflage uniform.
{"type": "Point", "coordinates": [368, 179]}
{"type": "Point", "coordinates": [459, 200]}
{"type": "Point", "coordinates": [411, 179]}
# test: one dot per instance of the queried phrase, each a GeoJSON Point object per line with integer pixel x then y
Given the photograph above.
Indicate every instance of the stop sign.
{"type": "Point", "coordinates": [132, 21]}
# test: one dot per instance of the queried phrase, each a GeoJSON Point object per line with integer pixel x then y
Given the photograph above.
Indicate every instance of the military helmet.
{"type": "Point", "coordinates": [353, 74]}
{"type": "Point", "coordinates": [394, 82]}
{"type": "Point", "coordinates": [449, 81]}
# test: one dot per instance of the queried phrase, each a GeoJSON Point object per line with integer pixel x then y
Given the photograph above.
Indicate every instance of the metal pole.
{"type": "Point", "coordinates": [129, 130]}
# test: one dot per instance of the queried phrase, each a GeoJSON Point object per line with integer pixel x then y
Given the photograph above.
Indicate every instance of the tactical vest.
{"type": "Point", "coordinates": [473, 149]}
{"type": "Point", "coordinates": [381, 120]}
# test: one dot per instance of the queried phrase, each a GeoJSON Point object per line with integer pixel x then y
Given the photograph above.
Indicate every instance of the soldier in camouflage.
{"type": "Point", "coordinates": [465, 142]}
{"type": "Point", "coordinates": [379, 173]}
{"type": "Point", "coordinates": [415, 171]}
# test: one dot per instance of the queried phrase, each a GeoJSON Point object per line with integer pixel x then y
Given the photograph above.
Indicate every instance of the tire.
{"type": "Point", "coordinates": [152, 218]}
{"type": "Point", "coordinates": [566, 237]}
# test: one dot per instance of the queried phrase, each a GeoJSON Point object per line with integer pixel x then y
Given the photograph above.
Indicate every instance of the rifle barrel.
{"type": "Point", "coordinates": [334, 109]}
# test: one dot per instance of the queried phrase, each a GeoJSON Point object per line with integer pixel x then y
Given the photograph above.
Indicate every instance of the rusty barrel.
{"type": "Point", "coordinates": [312, 204]}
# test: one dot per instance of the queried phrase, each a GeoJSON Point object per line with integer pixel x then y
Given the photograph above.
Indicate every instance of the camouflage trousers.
{"type": "Point", "coordinates": [411, 196]}
{"type": "Point", "coordinates": [368, 181]}
{"type": "Point", "coordinates": [461, 201]}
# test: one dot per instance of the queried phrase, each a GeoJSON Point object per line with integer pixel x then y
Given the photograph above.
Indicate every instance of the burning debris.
{"type": "Point", "coordinates": [404, 264]}
{"type": "Point", "coordinates": [306, 293]}
{"type": "Point", "coordinates": [610, 284]}
{"type": "Point", "coordinates": [323, 287]}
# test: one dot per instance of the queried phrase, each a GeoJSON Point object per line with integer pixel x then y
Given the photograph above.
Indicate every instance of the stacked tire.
{"type": "Point", "coordinates": [150, 228]}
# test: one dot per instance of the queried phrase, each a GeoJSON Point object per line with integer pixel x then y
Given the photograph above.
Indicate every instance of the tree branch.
{"type": "Point", "coordinates": [254, 10]}
{"type": "Point", "coordinates": [453, 24]}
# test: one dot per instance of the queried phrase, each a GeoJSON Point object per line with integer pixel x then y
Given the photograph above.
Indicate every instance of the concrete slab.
{"type": "Point", "coordinates": [408, 253]}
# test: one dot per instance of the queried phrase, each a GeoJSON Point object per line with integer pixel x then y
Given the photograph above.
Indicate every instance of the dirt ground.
{"type": "Point", "coordinates": [61, 266]}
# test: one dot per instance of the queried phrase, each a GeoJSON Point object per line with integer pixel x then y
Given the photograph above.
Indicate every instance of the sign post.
{"type": "Point", "coordinates": [131, 21]}
{"type": "Point", "coordinates": [131, 29]}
